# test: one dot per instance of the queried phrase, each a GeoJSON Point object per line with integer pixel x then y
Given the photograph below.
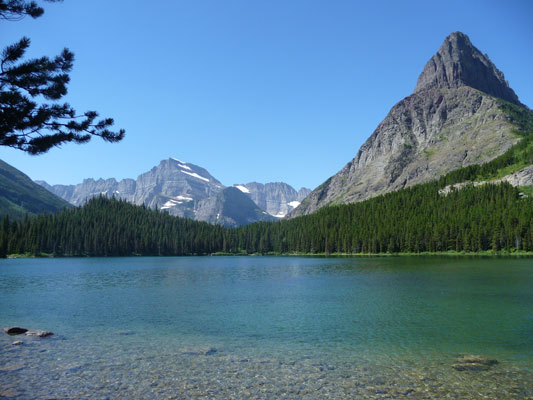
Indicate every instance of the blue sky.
{"type": "Point", "coordinates": [251, 90]}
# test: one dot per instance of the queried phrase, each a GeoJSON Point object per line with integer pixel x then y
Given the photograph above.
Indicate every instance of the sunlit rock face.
{"type": "Point", "coordinates": [452, 120]}
{"type": "Point", "coordinates": [276, 198]}
{"type": "Point", "coordinates": [187, 190]}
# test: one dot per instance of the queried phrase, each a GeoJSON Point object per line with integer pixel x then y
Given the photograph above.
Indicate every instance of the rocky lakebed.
{"type": "Point", "coordinates": [127, 367]}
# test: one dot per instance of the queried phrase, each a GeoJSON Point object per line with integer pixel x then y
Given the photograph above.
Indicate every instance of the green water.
{"type": "Point", "coordinates": [267, 327]}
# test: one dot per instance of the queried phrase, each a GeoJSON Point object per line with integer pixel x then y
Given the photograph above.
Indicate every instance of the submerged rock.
{"type": "Point", "coordinates": [125, 333]}
{"type": "Point", "coordinates": [210, 351]}
{"type": "Point", "coordinates": [199, 351]}
{"type": "Point", "coordinates": [38, 333]}
{"type": "Point", "coordinates": [15, 330]}
{"type": "Point", "coordinates": [470, 362]}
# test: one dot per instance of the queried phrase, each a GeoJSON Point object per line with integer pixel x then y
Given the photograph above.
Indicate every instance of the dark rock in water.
{"type": "Point", "coordinates": [210, 351]}
{"type": "Point", "coordinates": [471, 362]}
{"type": "Point", "coordinates": [38, 333]}
{"type": "Point", "coordinates": [201, 351]}
{"type": "Point", "coordinates": [15, 330]}
{"type": "Point", "coordinates": [470, 367]}
{"type": "Point", "coordinates": [125, 333]}
{"type": "Point", "coordinates": [17, 343]}
{"type": "Point", "coordinates": [470, 358]}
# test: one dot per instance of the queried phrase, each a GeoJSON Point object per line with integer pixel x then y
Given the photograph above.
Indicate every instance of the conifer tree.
{"type": "Point", "coordinates": [31, 125]}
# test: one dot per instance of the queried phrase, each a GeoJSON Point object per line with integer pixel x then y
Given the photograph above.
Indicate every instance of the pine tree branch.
{"type": "Point", "coordinates": [25, 124]}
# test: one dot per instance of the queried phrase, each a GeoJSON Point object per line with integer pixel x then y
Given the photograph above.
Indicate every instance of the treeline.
{"type": "Point", "coordinates": [418, 219]}
{"type": "Point", "coordinates": [108, 227]}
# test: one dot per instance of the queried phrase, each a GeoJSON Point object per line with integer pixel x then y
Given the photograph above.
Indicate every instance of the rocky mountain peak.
{"type": "Point", "coordinates": [188, 190]}
{"type": "Point", "coordinates": [459, 63]}
{"type": "Point", "coordinates": [453, 120]}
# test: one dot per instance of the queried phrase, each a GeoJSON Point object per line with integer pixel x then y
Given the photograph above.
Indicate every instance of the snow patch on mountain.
{"type": "Point", "coordinates": [194, 174]}
{"type": "Point", "coordinates": [242, 188]}
{"type": "Point", "coordinates": [184, 198]}
{"type": "Point", "coordinates": [170, 204]}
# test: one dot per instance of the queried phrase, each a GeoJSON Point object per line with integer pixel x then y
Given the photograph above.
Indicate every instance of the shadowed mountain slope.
{"type": "Point", "coordinates": [20, 195]}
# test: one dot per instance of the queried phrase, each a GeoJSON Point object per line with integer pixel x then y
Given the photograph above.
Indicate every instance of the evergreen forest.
{"type": "Point", "coordinates": [418, 219]}
{"type": "Point", "coordinates": [492, 217]}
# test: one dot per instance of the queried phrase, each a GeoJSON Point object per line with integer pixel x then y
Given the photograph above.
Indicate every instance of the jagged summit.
{"type": "Point", "coordinates": [459, 63]}
{"type": "Point", "coordinates": [188, 190]}
{"type": "Point", "coordinates": [452, 120]}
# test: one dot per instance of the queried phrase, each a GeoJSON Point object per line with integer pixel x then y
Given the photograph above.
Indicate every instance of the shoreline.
{"type": "Point", "coordinates": [318, 255]}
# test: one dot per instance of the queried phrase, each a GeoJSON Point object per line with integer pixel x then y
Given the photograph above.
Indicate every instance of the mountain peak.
{"type": "Point", "coordinates": [453, 120]}
{"type": "Point", "coordinates": [459, 63]}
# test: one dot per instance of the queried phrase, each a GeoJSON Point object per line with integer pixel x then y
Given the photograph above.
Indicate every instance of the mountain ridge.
{"type": "Point", "coordinates": [442, 126]}
{"type": "Point", "coordinates": [182, 189]}
{"type": "Point", "coordinates": [19, 195]}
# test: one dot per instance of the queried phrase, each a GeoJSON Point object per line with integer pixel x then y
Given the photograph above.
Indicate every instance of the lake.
{"type": "Point", "coordinates": [267, 327]}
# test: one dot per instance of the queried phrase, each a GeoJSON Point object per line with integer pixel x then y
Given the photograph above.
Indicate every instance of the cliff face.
{"type": "Point", "coordinates": [230, 208]}
{"type": "Point", "coordinates": [458, 63]}
{"type": "Point", "coordinates": [172, 186]}
{"type": "Point", "coordinates": [78, 194]}
{"type": "Point", "coordinates": [175, 186]}
{"type": "Point", "coordinates": [276, 198]}
{"type": "Point", "coordinates": [452, 120]}
{"type": "Point", "coordinates": [187, 190]}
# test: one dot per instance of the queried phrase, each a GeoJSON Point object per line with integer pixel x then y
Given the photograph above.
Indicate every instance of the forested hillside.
{"type": "Point", "coordinates": [109, 227]}
{"type": "Point", "coordinates": [418, 219]}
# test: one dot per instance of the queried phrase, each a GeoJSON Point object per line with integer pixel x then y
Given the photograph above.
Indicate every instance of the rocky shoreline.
{"type": "Point", "coordinates": [131, 368]}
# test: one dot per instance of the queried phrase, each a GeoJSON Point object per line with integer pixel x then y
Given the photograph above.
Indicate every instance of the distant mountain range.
{"type": "Point", "coordinates": [187, 190]}
{"type": "Point", "coordinates": [461, 114]}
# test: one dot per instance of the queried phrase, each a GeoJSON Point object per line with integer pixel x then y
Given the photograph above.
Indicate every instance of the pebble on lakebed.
{"type": "Point", "coordinates": [470, 362]}
{"type": "Point", "coordinates": [16, 330]}
{"type": "Point", "coordinates": [199, 351]}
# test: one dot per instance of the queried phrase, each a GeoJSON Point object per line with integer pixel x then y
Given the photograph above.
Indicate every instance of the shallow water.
{"type": "Point", "coordinates": [267, 327]}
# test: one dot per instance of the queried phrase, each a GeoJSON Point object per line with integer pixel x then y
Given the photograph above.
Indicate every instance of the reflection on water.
{"type": "Point", "coordinates": [267, 327]}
